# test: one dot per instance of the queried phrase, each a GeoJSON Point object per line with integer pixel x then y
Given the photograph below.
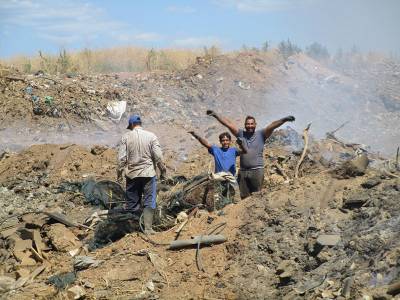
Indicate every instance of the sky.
{"type": "Point", "coordinates": [27, 26]}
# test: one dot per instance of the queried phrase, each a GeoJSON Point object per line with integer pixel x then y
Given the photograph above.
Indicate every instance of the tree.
{"type": "Point", "coordinates": [287, 48]}
{"type": "Point", "coordinates": [317, 51]}
{"type": "Point", "coordinates": [265, 46]}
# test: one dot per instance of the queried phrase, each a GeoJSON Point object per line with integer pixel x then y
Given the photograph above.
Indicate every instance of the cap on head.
{"type": "Point", "coordinates": [134, 120]}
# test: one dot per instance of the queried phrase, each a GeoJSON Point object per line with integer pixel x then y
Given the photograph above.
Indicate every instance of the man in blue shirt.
{"type": "Point", "coordinates": [224, 160]}
{"type": "Point", "coordinates": [224, 156]}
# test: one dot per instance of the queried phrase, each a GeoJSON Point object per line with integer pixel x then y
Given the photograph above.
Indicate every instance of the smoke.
{"type": "Point", "coordinates": [326, 98]}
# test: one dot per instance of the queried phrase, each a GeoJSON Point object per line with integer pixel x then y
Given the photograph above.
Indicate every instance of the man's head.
{"type": "Point", "coordinates": [225, 140]}
{"type": "Point", "coordinates": [134, 120]}
{"type": "Point", "coordinates": [250, 124]}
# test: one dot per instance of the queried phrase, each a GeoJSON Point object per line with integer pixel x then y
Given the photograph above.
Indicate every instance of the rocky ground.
{"type": "Point", "coordinates": [331, 233]}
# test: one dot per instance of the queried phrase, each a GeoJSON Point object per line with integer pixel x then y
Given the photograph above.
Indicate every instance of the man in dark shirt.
{"type": "Point", "coordinates": [251, 174]}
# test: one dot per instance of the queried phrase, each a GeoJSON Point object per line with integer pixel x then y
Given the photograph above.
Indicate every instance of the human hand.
{"type": "Point", "coordinates": [120, 179]}
{"type": "Point", "coordinates": [289, 119]}
{"type": "Point", "coordinates": [163, 175]}
{"type": "Point", "coordinates": [239, 142]}
{"type": "Point", "coordinates": [211, 113]}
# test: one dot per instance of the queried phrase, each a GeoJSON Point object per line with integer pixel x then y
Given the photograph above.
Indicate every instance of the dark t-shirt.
{"type": "Point", "coordinates": [254, 158]}
{"type": "Point", "coordinates": [224, 159]}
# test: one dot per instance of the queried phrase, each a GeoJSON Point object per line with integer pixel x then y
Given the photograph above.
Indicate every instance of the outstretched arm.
{"type": "Point", "coordinates": [271, 127]}
{"type": "Point", "coordinates": [224, 121]}
{"type": "Point", "coordinates": [202, 141]}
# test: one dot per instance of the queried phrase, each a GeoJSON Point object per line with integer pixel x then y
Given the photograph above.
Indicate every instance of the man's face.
{"type": "Point", "coordinates": [250, 125]}
{"type": "Point", "coordinates": [225, 142]}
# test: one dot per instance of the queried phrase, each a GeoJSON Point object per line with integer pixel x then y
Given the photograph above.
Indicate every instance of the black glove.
{"type": "Point", "coordinates": [289, 119]}
{"type": "Point", "coordinates": [211, 113]}
{"type": "Point", "coordinates": [239, 142]}
{"type": "Point", "coordinates": [119, 178]}
{"type": "Point", "coordinates": [163, 175]}
{"type": "Point", "coordinates": [163, 171]}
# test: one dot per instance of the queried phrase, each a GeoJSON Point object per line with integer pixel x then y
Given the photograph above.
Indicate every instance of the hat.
{"type": "Point", "coordinates": [134, 119]}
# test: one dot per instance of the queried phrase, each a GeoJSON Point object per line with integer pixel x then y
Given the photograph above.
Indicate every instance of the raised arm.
{"type": "Point", "coordinates": [202, 141]}
{"type": "Point", "coordinates": [271, 127]}
{"type": "Point", "coordinates": [224, 121]}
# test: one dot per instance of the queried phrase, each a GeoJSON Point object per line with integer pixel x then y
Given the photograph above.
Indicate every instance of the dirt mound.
{"type": "Point", "coordinates": [73, 109]}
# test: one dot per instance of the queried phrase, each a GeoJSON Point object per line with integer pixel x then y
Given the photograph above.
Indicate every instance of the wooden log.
{"type": "Point", "coordinates": [202, 239]}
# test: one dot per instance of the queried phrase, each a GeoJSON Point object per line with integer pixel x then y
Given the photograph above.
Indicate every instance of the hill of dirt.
{"type": "Point", "coordinates": [44, 109]}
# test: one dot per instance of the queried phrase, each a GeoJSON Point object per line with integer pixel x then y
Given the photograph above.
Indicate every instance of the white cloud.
{"type": "Point", "coordinates": [181, 9]}
{"type": "Point", "coordinates": [262, 5]}
{"type": "Point", "coordinates": [140, 37]}
{"type": "Point", "coordinates": [67, 22]}
{"type": "Point", "coordinates": [193, 42]}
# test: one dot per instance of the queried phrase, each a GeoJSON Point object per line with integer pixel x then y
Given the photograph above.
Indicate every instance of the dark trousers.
{"type": "Point", "coordinates": [250, 181]}
{"type": "Point", "coordinates": [141, 192]}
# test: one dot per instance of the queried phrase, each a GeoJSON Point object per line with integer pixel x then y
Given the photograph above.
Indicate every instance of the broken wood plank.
{"type": "Point", "coordinates": [202, 239]}
{"type": "Point", "coordinates": [61, 218]}
{"type": "Point", "coordinates": [27, 279]}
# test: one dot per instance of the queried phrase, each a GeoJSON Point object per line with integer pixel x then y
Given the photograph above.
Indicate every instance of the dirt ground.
{"type": "Point", "coordinates": [329, 234]}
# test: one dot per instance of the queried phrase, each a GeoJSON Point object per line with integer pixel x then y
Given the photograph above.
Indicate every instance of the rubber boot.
{"type": "Point", "coordinates": [148, 214]}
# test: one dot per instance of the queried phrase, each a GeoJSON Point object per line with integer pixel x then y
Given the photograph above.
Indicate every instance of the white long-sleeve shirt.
{"type": "Point", "coordinates": [138, 153]}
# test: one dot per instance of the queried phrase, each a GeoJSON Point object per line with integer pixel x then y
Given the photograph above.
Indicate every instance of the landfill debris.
{"type": "Point", "coordinates": [328, 239]}
{"type": "Point", "coordinates": [76, 292]}
{"type": "Point", "coordinates": [203, 240]}
{"type": "Point", "coordinates": [84, 262]}
{"type": "Point", "coordinates": [62, 239]}
{"type": "Point", "coordinates": [116, 109]}
{"type": "Point", "coordinates": [63, 280]}
{"type": "Point", "coordinates": [271, 250]}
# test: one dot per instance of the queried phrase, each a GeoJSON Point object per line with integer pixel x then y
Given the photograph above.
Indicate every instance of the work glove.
{"type": "Point", "coordinates": [120, 178]}
{"type": "Point", "coordinates": [239, 142]}
{"type": "Point", "coordinates": [289, 119]}
{"type": "Point", "coordinates": [163, 171]}
{"type": "Point", "coordinates": [163, 175]}
{"type": "Point", "coordinates": [211, 113]}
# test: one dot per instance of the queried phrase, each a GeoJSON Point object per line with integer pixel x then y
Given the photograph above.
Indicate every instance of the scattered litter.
{"type": "Point", "coordinates": [76, 292]}
{"type": "Point", "coordinates": [242, 85]}
{"type": "Point", "coordinates": [63, 280]}
{"type": "Point", "coordinates": [116, 109]}
{"type": "Point", "coordinates": [85, 262]}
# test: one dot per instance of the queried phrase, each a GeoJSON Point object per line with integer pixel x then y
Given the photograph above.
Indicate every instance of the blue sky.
{"type": "Point", "coordinates": [27, 26]}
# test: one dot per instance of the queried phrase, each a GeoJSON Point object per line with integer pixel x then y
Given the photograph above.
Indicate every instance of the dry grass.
{"type": "Point", "coordinates": [118, 59]}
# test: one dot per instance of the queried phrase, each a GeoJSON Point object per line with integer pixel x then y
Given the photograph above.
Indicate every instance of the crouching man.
{"type": "Point", "coordinates": [139, 152]}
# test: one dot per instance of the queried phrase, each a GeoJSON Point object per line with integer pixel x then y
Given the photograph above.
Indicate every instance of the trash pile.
{"type": "Point", "coordinates": [324, 226]}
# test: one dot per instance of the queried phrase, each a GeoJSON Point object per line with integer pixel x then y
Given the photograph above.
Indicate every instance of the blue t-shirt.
{"type": "Point", "coordinates": [224, 159]}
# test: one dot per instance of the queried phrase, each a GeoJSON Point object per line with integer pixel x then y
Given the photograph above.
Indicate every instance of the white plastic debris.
{"type": "Point", "coordinates": [116, 109]}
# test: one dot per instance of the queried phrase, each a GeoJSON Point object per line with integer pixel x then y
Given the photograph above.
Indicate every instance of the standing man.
{"type": "Point", "coordinates": [251, 174]}
{"type": "Point", "coordinates": [139, 153]}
